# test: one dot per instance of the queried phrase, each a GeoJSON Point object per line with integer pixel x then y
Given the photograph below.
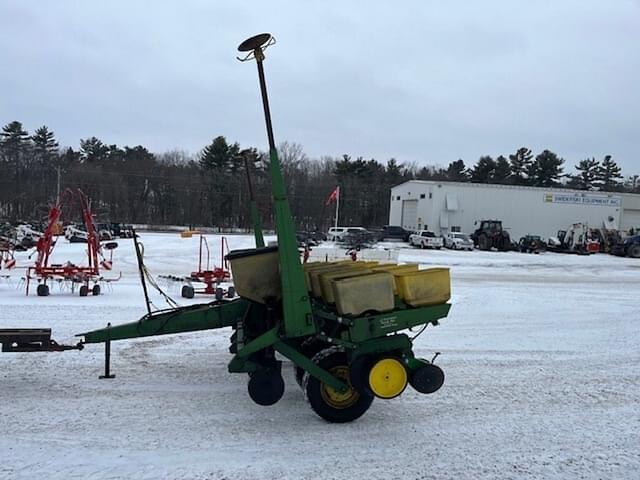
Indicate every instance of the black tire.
{"type": "Point", "coordinates": [354, 405]}
{"type": "Point", "coordinates": [427, 379]}
{"type": "Point", "coordinates": [219, 293]}
{"type": "Point", "coordinates": [42, 290]}
{"type": "Point", "coordinates": [310, 349]}
{"type": "Point", "coordinates": [484, 242]}
{"type": "Point", "coordinates": [231, 292]}
{"type": "Point", "coordinates": [187, 291]}
{"type": "Point", "coordinates": [95, 291]}
{"type": "Point", "coordinates": [634, 251]}
{"type": "Point", "coordinates": [266, 387]}
{"type": "Point", "coordinates": [84, 291]}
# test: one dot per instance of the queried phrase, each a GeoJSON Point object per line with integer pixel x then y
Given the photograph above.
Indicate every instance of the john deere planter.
{"type": "Point", "coordinates": [338, 323]}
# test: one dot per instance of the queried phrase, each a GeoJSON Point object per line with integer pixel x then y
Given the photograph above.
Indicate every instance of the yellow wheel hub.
{"type": "Point", "coordinates": [388, 378]}
{"type": "Point", "coordinates": [335, 398]}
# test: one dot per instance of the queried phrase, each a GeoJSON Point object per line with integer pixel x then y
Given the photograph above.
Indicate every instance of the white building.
{"type": "Point", "coordinates": [454, 206]}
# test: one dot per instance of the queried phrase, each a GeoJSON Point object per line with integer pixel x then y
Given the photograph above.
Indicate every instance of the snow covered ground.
{"type": "Point", "coordinates": [541, 353]}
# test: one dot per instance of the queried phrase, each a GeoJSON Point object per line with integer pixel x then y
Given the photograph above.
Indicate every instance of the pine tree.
{"type": "Point", "coordinates": [69, 157]}
{"type": "Point", "coordinates": [588, 173]}
{"type": "Point", "coordinates": [502, 172]}
{"type": "Point", "coordinates": [484, 170]}
{"type": "Point", "coordinates": [608, 175]}
{"type": "Point", "coordinates": [14, 141]}
{"type": "Point", "coordinates": [520, 163]}
{"type": "Point", "coordinates": [394, 171]}
{"type": "Point", "coordinates": [45, 146]}
{"type": "Point", "coordinates": [546, 170]}
{"type": "Point", "coordinates": [93, 150]}
{"type": "Point", "coordinates": [218, 155]}
{"type": "Point", "coordinates": [457, 171]}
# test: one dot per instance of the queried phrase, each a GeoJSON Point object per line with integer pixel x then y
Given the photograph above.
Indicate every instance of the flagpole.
{"type": "Point", "coordinates": [337, 204]}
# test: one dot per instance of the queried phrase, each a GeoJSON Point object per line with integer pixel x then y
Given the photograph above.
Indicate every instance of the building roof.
{"type": "Point", "coordinates": [512, 187]}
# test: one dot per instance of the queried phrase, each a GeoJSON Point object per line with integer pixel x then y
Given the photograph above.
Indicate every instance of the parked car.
{"type": "Point", "coordinates": [393, 232]}
{"type": "Point", "coordinates": [336, 233]}
{"type": "Point", "coordinates": [426, 239]}
{"type": "Point", "coordinates": [306, 239]}
{"type": "Point", "coordinates": [458, 241]}
{"type": "Point", "coordinates": [121, 230]}
{"type": "Point", "coordinates": [317, 236]}
{"type": "Point", "coordinates": [629, 247]}
{"type": "Point", "coordinates": [357, 239]}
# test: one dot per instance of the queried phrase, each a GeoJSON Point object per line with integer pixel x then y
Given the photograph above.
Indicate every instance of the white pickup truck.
{"type": "Point", "coordinates": [426, 239]}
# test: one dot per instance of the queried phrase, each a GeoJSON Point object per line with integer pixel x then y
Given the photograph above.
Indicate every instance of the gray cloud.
{"type": "Point", "coordinates": [421, 81]}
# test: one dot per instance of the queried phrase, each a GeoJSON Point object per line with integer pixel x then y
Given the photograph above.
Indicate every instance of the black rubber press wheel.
{"type": "Point", "coordinates": [266, 387]}
{"type": "Point", "coordinates": [334, 406]}
{"type": "Point", "coordinates": [427, 379]}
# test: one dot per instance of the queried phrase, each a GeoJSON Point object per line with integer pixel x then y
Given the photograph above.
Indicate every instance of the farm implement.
{"type": "Point", "coordinates": [210, 278]}
{"type": "Point", "coordinates": [83, 275]}
{"type": "Point", "coordinates": [7, 259]}
{"type": "Point", "coordinates": [341, 324]}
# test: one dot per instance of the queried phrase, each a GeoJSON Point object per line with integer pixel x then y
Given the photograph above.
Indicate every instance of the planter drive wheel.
{"type": "Point", "coordinates": [309, 348]}
{"type": "Point", "coordinates": [334, 406]}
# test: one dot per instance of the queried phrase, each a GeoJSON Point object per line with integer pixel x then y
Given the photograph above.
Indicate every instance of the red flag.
{"type": "Point", "coordinates": [333, 196]}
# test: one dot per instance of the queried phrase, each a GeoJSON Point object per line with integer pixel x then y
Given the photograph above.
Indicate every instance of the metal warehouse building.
{"type": "Point", "coordinates": [454, 206]}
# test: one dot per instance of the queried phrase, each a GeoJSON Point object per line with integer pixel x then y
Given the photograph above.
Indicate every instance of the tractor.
{"type": "Point", "coordinates": [490, 235]}
{"type": "Point", "coordinates": [531, 244]}
{"type": "Point", "coordinates": [341, 324]}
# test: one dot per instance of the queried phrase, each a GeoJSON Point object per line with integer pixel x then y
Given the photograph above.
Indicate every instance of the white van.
{"type": "Point", "coordinates": [336, 233]}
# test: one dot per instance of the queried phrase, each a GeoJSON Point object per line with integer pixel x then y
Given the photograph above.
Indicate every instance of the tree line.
{"type": "Point", "coordinates": [210, 188]}
{"type": "Point", "coordinates": [544, 170]}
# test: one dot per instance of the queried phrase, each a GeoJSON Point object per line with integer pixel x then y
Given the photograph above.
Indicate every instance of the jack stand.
{"type": "Point", "coordinates": [107, 358]}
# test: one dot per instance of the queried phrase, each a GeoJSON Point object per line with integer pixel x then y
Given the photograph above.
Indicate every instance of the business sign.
{"type": "Point", "coordinates": [592, 199]}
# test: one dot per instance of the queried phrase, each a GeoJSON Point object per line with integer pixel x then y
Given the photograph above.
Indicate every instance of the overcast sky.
{"type": "Point", "coordinates": [421, 81]}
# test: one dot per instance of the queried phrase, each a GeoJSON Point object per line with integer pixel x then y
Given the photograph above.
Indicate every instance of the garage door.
{"type": "Point", "coordinates": [409, 214]}
{"type": "Point", "coordinates": [630, 218]}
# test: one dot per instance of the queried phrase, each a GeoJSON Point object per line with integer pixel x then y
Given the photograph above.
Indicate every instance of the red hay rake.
{"type": "Point", "coordinates": [210, 277]}
{"type": "Point", "coordinates": [44, 272]}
